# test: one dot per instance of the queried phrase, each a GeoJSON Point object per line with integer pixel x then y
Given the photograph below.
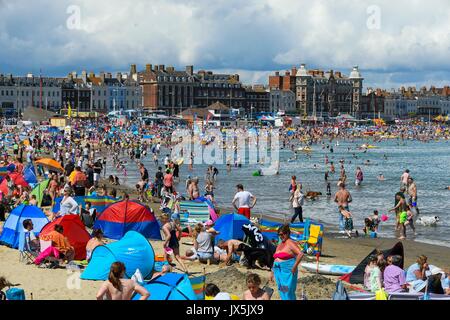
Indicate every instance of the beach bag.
{"type": "Point", "coordinates": [15, 294]}
{"type": "Point", "coordinates": [341, 293]}
{"type": "Point", "coordinates": [381, 295]}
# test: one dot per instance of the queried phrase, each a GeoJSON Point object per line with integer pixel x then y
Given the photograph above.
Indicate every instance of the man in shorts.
{"type": "Point", "coordinates": [246, 201]}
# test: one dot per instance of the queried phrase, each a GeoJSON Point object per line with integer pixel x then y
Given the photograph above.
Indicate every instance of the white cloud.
{"type": "Point", "coordinates": [253, 37]}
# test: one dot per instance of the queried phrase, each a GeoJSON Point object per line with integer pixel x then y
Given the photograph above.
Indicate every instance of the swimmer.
{"type": "Point", "coordinates": [381, 177]}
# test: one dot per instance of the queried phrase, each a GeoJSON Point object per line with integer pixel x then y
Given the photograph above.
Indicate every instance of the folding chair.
{"type": "Point", "coordinates": [26, 255]}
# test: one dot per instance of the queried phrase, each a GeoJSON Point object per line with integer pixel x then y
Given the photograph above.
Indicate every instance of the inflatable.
{"type": "Point", "coordinates": [257, 173]}
{"type": "Point", "coordinates": [305, 149]}
{"type": "Point", "coordinates": [328, 269]}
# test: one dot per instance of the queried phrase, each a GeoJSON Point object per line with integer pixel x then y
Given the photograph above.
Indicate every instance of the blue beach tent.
{"type": "Point", "coordinates": [172, 286]}
{"type": "Point", "coordinates": [133, 250]}
{"type": "Point", "coordinates": [30, 175]}
{"type": "Point", "coordinates": [230, 227]}
{"type": "Point", "coordinates": [14, 224]}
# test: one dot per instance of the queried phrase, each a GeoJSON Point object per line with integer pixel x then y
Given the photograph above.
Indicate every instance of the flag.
{"type": "Point", "coordinates": [69, 111]}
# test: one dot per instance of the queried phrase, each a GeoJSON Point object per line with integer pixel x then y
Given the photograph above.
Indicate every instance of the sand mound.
{"type": "Point", "coordinates": [230, 280]}
{"type": "Point", "coordinates": [316, 287]}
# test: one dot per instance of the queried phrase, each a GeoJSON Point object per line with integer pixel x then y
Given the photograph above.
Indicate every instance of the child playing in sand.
{"type": "Point", "coordinates": [254, 291]}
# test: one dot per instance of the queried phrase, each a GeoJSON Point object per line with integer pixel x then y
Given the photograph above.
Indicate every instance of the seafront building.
{"type": "Point", "coordinates": [311, 94]}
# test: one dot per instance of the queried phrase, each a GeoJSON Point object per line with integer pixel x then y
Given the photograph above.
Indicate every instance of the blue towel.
{"type": "Point", "coordinates": [285, 279]}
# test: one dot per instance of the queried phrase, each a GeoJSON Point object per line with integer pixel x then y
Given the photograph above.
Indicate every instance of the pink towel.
{"type": "Point", "coordinates": [50, 251]}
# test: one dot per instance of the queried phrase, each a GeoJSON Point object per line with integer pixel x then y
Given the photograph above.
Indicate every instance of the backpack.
{"type": "Point", "coordinates": [15, 294]}
{"type": "Point", "coordinates": [341, 293]}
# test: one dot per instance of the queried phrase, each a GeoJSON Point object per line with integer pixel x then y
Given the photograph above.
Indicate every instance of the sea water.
{"type": "Point", "coordinates": [428, 164]}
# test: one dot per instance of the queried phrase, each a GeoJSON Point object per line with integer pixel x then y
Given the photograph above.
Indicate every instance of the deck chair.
{"type": "Point", "coordinates": [26, 255]}
{"type": "Point", "coordinates": [313, 240]}
{"type": "Point", "coordinates": [405, 296]}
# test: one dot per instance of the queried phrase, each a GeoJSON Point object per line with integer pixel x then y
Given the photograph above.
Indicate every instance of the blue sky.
{"type": "Point", "coordinates": [395, 43]}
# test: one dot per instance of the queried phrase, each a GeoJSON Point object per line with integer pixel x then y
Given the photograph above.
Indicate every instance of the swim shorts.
{"type": "Point", "coordinates": [403, 217]}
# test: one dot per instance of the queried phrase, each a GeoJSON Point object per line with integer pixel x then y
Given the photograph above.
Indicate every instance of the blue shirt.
{"type": "Point", "coordinates": [410, 276]}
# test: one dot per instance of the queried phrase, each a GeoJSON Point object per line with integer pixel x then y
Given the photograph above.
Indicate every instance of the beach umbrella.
{"type": "Point", "coordinates": [51, 164]}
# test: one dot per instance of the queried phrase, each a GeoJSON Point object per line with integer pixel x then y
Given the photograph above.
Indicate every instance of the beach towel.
{"type": "Point", "coordinates": [49, 252]}
{"type": "Point", "coordinates": [285, 279]}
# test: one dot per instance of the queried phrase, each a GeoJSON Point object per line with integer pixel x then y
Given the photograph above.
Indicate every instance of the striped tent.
{"type": "Point", "coordinates": [300, 232]}
{"type": "Point", "coordinates": [193, 212]}
{"type": "Point", "coordinates": [98, 203]}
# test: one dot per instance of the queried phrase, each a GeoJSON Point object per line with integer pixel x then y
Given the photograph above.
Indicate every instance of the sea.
{"type": "Point", "coordinates": [429, 165]}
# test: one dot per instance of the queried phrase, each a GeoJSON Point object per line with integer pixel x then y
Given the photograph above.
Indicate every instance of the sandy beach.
{"type": "Point", "coordinates": [62, 284]}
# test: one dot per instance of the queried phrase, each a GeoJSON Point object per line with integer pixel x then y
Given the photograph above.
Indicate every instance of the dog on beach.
{"type": "Point", "coordinates": [264, 257]}
{"type": "Point", "coordinates": [428, 221]}
{"type": "Point", "coordinates": [312, 195]}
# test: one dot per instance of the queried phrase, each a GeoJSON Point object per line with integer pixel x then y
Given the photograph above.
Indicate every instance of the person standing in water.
{"type": "Point", "coordinates": [359, 176]}
{"type": "Point", "coordinates": [342, 198]}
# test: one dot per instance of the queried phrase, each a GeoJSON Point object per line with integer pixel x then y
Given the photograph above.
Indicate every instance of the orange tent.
{"type": "Point", "coordinates": [51, 164]}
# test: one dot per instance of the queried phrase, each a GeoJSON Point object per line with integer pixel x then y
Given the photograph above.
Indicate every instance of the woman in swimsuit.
{"type": "Point", "coordinates": [285, 270]}
{"type": "Point", "coordinates": [170, 229]}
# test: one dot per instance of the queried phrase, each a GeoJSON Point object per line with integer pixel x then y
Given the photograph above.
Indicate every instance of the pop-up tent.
{"type": "Point", "coordinates": [357, 275]}
{"type": "Point", "coordinates": [230, 227]}
{"type": "Point", "coordinates": [14, 224]}
{"type": "Point", "coordinates": [125, 216]}
{"type": "Point", "coordinates": [30, 175]}
{"type": "Point", "coordinates": [75, 232]}
{"type": "Point", "coordinates": [39, 189]}
{"type": "Point", "coordinates": [172, 286]}
{"type": "Point", "coordinates": [133, 250]}
{"type": "Point", "coordinates": [18, 180]}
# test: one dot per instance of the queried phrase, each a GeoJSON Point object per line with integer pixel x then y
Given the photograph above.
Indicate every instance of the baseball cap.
{"type": "Point", "coordinates": [209, 223]}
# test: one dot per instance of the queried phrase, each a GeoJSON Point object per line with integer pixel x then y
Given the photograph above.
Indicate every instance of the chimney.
{"type": "Point", "coordinates": [148, 68]}
{"type": "Point", "coordinates": [102, 77]}
{"type": "Point", "coordinates": [162, 68]}
{"type": "Point", "coordinates": [156, 68]}
{"type": "Point", "coordinates": [236, 76]}
{"type": "Point", "coordinates": [91, 74]}
{"type": "Point", "coordinates": [338, 74]}
{"type": "Point", "coordinates": [109, 75]}
{"type": "Point", "coordinates": [277, 74]}
{"type": "Point", "coordinates": [294, 71]}
{"type": "Point", "coordinates": [287, 74]}
{"type": "Point", "coordinates": [170, 69]}
{"type": "Point", "coordinates": [190, 70]}
{"type": "Point", "coordinates": [74, 75]}
{"type": "Point", "coordinates": [119, 76]}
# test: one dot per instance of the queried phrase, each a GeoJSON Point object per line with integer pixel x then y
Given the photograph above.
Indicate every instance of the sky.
{"type": "Point", "coordinates": [394, 43]}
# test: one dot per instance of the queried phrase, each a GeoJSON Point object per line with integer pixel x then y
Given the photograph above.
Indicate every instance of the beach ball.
{"type": "Point", "coordinates": [384, 218]}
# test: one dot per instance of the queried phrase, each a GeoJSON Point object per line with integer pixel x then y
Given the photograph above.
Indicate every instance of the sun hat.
{"type": "Point", "coordinates": [209, 223]}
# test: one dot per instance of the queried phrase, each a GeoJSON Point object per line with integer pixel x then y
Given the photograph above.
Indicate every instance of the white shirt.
{"type": "Point", "coordinates": [68, 206]}
{"type": "Point", "coordinates": [244, 198]}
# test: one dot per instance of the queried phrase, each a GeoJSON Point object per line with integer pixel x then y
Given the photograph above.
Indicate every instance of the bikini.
{"type": "Point", "coordinates": [283, 256]}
